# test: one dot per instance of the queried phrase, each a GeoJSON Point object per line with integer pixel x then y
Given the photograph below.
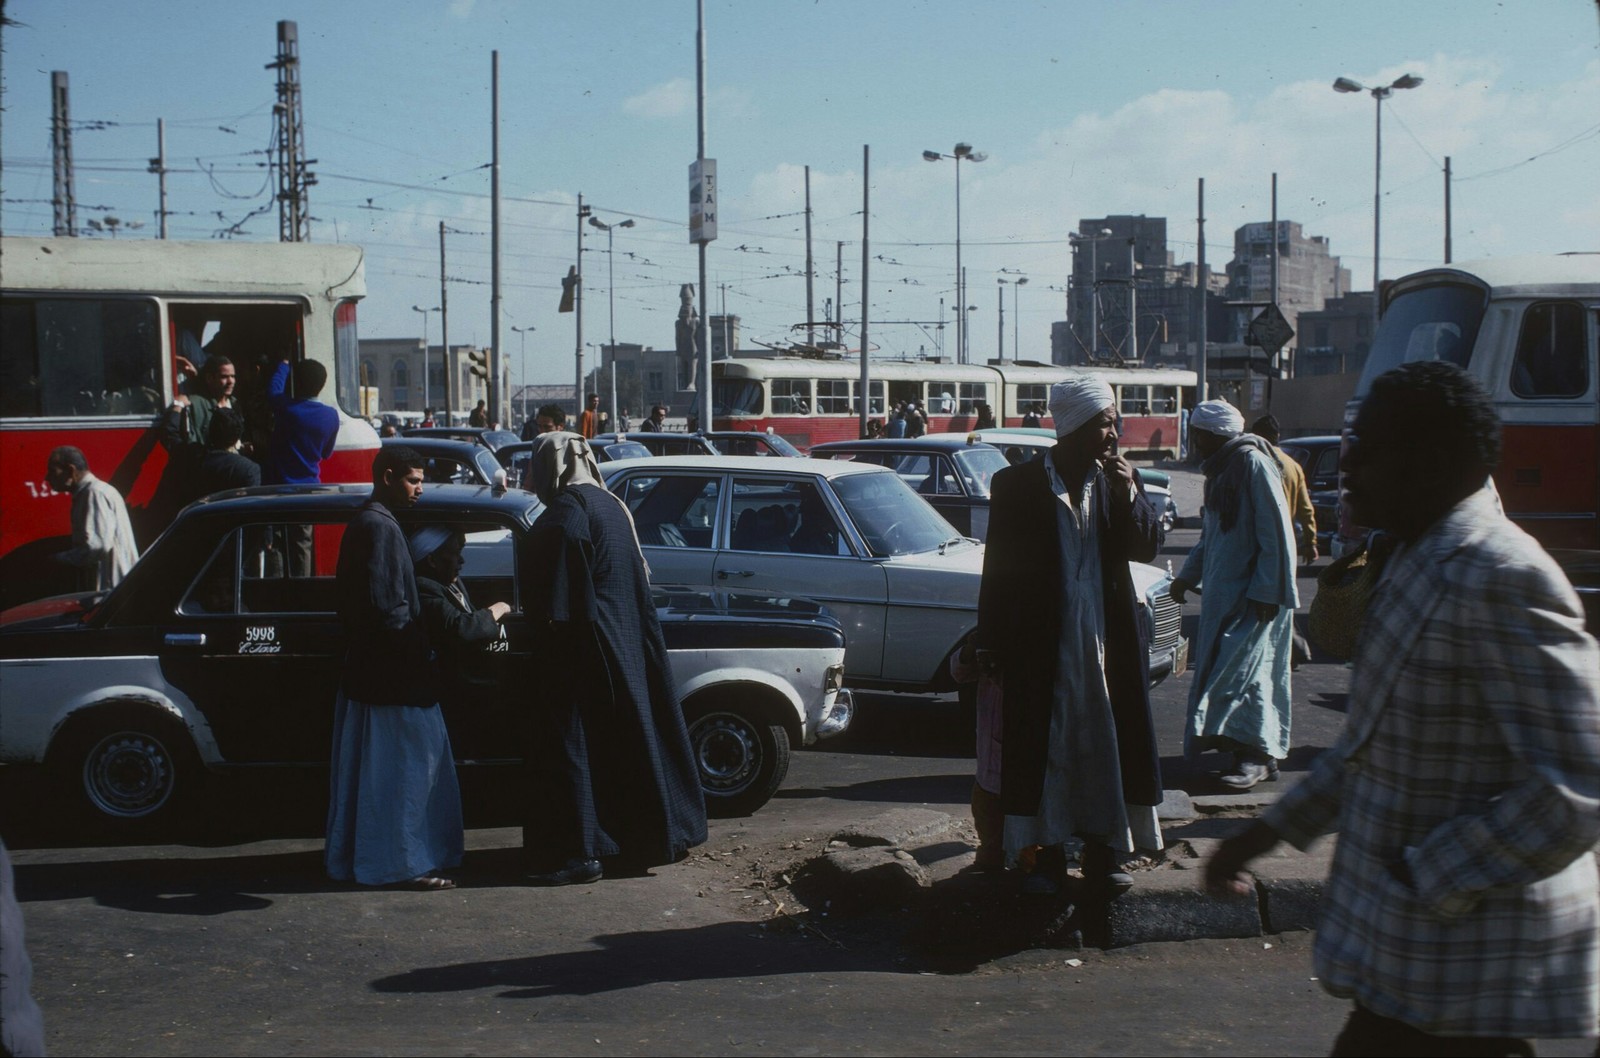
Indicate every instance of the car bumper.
{"type": "Point", "coordinates": [836, 720]}
{"type": "Point", "coordinates": [1169, 661]}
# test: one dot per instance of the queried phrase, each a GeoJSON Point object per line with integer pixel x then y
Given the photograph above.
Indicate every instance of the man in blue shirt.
{"type": "Point", "coordinates": [303, 428]}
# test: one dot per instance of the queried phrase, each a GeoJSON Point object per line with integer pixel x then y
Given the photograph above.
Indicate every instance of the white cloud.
{"type": "Point", "coordinates": [669, 99]}
{"type": "Point", "coordinates": [462, 8]}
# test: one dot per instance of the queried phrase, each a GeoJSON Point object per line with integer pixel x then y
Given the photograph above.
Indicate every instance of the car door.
{"type": "Point", "coordinates": [676, 515]}
{"type": "Point", "coordinates": [785, 536]}
{"type": "Point", "coordinates": [256, 643]}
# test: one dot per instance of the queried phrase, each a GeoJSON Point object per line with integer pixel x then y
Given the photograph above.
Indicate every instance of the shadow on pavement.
{"type": "Point", "coordinates": [622, 961]}
{"type": "Point", "coordinates": [950, 789]}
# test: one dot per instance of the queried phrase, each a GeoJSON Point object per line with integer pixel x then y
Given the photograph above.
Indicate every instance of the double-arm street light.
{"type": "Point", "coordinates": [1379, 94]}
{"type": "Point", "coordinates": [1016, 348]}
{"type": "Point", "coordinates": [522, 333]}
{"type": "Point", "coordinates": [962, 152]}
{"type": "Point", "coordinates": [611, 297]}
{"type": "Point", "coordinates": [1094, 282]}
{"type": "Point", "coordinates": [426, 399]}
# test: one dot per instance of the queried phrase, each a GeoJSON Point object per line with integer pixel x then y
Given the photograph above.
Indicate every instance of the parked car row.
{"type": "Point", "coordinates": [222, 649]}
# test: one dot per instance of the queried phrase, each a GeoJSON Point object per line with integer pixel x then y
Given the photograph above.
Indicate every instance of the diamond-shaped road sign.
{"type": "Point", "coordinates": [1269, 330]}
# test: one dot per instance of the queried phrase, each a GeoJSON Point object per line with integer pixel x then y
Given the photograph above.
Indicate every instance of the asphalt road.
{"type": "Point", "coordinates": [231, 941]}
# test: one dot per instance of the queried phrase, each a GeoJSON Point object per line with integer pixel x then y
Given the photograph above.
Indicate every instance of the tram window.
{"type": "Point", "coordinates": [1552, 356]}
{"type": "Point", "coordinates": [1163, 400]}
{"type": "Point", "coordinates": [942, 397]}
{"type": "Point", "coordinates": [1029, 394]}
{"type": "Point", "coordinates": [791, 396]}
{"type": "Point", "coordinates": [833, 396]}
{"type": "Point", "coordinates": [80, 357]}
{"type": "Point", "coordinates": [254, 337]}
{"type": "Point", "coordinates": [972, 395]}
{"type": "Point", "coordinates": [1135, 400]}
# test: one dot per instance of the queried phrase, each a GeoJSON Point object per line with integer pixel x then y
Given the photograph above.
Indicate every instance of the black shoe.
{"type": "Point", "coordinates": [1102, 874]}
{"type": "Point", "coordinates": [573, 872]}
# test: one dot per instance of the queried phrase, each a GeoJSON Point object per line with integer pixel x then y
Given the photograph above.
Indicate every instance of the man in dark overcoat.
{"type": "Point", "coordinates": [1079, 754]}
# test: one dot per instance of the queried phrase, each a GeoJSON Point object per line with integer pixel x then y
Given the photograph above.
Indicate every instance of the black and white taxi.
{"type": "Point", "coordinates": [222, 649]}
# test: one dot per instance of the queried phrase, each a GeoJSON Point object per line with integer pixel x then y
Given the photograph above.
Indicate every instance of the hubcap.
{"type": "Point", "coordinates": [728, 752]}
{"type": "Point", "coordinates": [128, 774]}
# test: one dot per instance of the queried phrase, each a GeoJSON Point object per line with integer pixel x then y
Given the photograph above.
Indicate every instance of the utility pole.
{"type": "Point", "coordinates": [1447, 257]}
{"type": "Point", "coordinates": [1000, 320]}
{"type": "Point", "coordinates": [291, 163]}
{"type": "Point", "coordinates": [701, 345]}
{"type": "Point", "coordinates": [1200, 270]}
{"type": "Point", "coordinates": [444, 329]}
{"type": "Point", "coordinates": [811, 330]}
{"type": "Point", "coordinates": [492, 361]}
{"type": "Point", "coordinates": [866, 347]}
{"type": "Point", "coordinates": [1272, 369]}
{"type": "Point", "coordinates": [158, 165]}
{"type": "Point", "coordinates": [577, 305]}
{"type": "Point", "coordinates": [838, 291]}
{"type": "Point", "coordinates": [66, 206]}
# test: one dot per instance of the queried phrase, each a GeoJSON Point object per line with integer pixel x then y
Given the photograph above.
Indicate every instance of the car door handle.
{"type": "Point", "coordinates": [186, 639]}
{"type": "Point", "coordinates": [724, 574]}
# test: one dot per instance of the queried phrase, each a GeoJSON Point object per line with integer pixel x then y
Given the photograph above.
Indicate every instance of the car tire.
{"type": "Point", "coordinates": [127, 768]}
{"type": "Point", "coordinates": [742, 758]}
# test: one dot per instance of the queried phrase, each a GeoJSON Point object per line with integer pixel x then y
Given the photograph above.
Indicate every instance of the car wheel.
{"type": "Point", "coordinates": [742, 759]}
{"type": "Point", "coordinates": [128, 767]}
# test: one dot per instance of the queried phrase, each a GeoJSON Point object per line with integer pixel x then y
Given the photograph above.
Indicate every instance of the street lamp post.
{"type": "Point", "coordinates": [1016, 319]}
{"type": "Point", "coordinates": [1094, 282]}
{"type": "Point", "coordinates": [426, 398]}
{"type": "Point", "coordinates": [522, 334]}
{"type": "Point", "coordinates": [961, 152]}
{"type": "Point", "coordinates": [611, 297]}
{"type": "Point", "coordinates": [1379, 94]}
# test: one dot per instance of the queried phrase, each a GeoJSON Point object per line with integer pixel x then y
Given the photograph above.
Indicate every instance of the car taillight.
{"type": "Point", "coordinates": [833, 679]}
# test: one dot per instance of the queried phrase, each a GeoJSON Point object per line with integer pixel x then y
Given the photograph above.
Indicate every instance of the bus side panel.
{"type": "Point", "coordinates": [1549, 482]}
{"type": "Point", "coordinates": [35, 520]}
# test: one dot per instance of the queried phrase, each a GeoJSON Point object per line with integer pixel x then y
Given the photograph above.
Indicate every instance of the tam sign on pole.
{"type": "Point", "coordinates": [703, 200]}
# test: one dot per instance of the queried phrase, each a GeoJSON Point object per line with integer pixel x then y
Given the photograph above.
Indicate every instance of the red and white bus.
{"type": "Point", "coordinates": [92, 330]}
{"type": "Point", "coordinates": [810, 401]}
{"type": "Point", "coordinates": [1528, 328]}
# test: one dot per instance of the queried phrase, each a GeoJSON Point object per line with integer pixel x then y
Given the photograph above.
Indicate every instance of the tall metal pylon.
{"type": "Point", "coordinates": [62, 198]}
{"type": "Point", "coordinates": [289, 160]}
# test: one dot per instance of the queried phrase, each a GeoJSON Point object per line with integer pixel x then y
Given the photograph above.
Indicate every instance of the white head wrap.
{"type": "Point", "coordinates": [427, 540]}
{"type": "Point", "coordinates": [1218, 417]}
{"type": "Point", "coordinates": [1077, 399]}
{"type": "Point", "coordinates": [560, 459]}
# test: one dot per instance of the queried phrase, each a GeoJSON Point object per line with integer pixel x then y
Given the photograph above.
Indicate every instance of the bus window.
{"type": "Point", "coordinates": [790, 396]}
{"type": "Point", "coordinates": [833, 396]}
{"type": "Point", "coordinates": [1437, 322]}
{"type": "Point", "coordinates": [80, 357]}
{"type": "Point", "coordinates": [1551, 353]}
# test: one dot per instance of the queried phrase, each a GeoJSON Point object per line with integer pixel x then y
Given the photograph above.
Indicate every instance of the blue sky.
{"type": "Point", "coordinates": [1083, 109]}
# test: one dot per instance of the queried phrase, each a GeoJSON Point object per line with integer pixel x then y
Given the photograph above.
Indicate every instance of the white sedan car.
{"type": "Point", "coordinates": [850, 535]}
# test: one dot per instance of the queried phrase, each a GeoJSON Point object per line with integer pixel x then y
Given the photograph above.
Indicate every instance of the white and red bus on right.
{"type": "Point", "coordinates": [1528, 328]}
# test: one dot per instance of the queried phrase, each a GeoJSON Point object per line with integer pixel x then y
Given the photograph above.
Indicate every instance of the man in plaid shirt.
{"type": "Point", "coordinates": [1462, 908]}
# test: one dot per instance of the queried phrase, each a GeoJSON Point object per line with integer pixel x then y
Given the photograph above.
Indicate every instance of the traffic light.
{"type": "Point", "coordinates": [480, 362]}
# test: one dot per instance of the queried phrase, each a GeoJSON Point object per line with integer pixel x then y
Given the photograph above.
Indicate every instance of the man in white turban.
{"type": "Point", "coordinates": [1078, 757]}
{"type": "Point", "coordinates": [1244, 564]}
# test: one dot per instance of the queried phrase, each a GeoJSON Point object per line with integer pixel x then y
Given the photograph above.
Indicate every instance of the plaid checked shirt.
{"type": "Point", "coordinates": [1470, 761]}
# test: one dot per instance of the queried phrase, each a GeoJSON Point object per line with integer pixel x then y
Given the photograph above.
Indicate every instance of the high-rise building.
{"type": "Point", "coordinates": [1308, 275]}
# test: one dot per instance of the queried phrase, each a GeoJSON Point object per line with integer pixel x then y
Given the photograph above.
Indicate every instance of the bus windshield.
{"type": "Point", "coordinates": [1438, 322]}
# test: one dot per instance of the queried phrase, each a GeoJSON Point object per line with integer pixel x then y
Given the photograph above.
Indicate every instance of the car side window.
{"type": "Point", "coordinates": [1327, 464]}
{"type": "Point", "coordinates": [945, 482]}
{"type": "Point", "coordinates": [280, 568]}
{"type": "Point", "coordinates": [673, 510]}
{"type": "Point", "coordinates": [784, 516]}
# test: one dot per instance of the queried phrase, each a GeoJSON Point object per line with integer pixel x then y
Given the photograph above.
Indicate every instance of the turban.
{"type": "Point", "coordinates": [1218, 417]}
{"type": "Point", "coordinates": [427, 540]}
{"type": "Point", "coordinates": [1077, 399]}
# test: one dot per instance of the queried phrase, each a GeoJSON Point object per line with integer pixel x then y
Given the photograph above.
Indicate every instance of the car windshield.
{"type": "Point", "coordinates": [977, 467]}
{"type": "Point", "coordinates": [891, 518]}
